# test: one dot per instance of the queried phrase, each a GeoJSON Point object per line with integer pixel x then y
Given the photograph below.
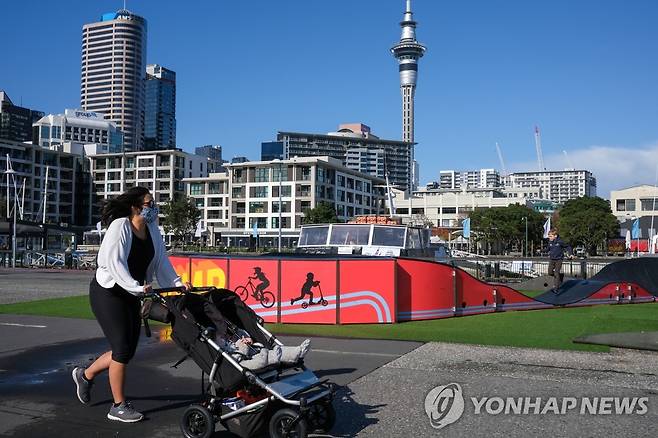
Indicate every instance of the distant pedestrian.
{"type": "Point", "coordinates": [556, 251]}
{"type": "Point", "coordinates": [131, 253]}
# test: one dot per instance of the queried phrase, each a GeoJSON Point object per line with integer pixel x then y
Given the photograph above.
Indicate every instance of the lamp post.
{"type": "Point", "coordinates": [280, 187]}
{"type": "Point", "coordinates": [525, 219]}
{"type": "Point", "coordinates": [12, 172]}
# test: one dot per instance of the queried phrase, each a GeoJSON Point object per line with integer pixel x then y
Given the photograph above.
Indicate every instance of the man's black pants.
{"type": "Point", "coordinates": [555, 271]}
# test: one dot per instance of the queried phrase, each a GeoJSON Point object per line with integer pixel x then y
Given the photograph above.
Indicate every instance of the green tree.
{"type": "Point", "coordinates": [504, 227]}
{"type": "Point", "coordinates": [180, 218]}
{"type": "Point", "coordinates": [587, 221]}
{"type": "Point", "coordinates": [323, 213]}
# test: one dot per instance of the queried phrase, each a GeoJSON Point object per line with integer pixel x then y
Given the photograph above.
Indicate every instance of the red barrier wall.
{"type": "Point", "coordinates": [367, 290]}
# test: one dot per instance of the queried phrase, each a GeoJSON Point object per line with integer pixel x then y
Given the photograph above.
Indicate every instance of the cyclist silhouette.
{"type": "Point", "coordinates": [307, 289]}
{"type": "Point", "coordinates": [264, 282]}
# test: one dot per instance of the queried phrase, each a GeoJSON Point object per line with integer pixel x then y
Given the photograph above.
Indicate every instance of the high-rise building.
{"type": "Point", "coordinates": [214, 155]}
{"type": "Point", "coordinates": [113, 72]}
{"type": "Point", "coordinates": [160, 108]}
{"type": "Point", "coordinates": [358, 149]}
{"type": "Point", "coordinates": [408, 51]}
{"type": "Point", "coordinates": [15, 121]}
{"type": "Point", "coordinates": [271, 150]}
{"type": "Point", "coordinates": [557, 185]}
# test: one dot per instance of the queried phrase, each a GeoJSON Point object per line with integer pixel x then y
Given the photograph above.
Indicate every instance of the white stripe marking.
{"type": "Point", "coordinates": [315, 350]}
{"type": "Point", "coordinates": [22, 325]}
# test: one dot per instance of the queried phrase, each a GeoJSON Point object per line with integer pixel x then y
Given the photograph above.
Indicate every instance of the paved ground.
{"type": "Point", "coordinates": [38, 397]}
{"type": "Point", "coordinates": [18, 285]}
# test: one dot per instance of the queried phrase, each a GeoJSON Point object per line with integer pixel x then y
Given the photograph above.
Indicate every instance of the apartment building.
{"type": "Point", "coordinates": [249, 206]}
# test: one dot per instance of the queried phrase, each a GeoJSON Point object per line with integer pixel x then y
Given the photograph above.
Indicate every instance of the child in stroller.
{"type": "Point", "coordinates": [227, 340]}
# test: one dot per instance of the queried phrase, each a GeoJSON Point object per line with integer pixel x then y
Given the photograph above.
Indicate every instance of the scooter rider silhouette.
{"type": "Point", "coordinates": [307, 289]}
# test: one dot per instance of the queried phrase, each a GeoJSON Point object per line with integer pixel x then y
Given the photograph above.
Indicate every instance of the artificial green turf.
{"type": "Point", "coordinates": [551, 329]}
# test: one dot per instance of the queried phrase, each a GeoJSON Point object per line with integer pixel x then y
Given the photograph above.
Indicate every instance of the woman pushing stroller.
{"type": "Point", "coordinates": [131, 253]}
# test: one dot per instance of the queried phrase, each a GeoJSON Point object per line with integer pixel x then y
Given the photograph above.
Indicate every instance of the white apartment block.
{"type": "Point", "coordinates": [634, 202]}
{"type": "Point", "coordinates": [74, 129]}
{"type": "Point", "coordinates": [211, 196]}
{"type": "Point", "coordinates": [161, 171]}
{"type": "Point", "coordinates": [447, 208]}
{"type": "Point", "coordinates": [468, 179]}
{"type": "Point", "coordinates": [250, 205]}
{"type": "Point", "coordinates": [559, 186]}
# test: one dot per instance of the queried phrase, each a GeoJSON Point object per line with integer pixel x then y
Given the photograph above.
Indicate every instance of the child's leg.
{"type": "Point", "coordinates": [294, 354]}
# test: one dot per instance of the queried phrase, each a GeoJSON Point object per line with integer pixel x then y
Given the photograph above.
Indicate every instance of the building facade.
{"type": "Point", "coordinates": [448, 207]}
{"type": "Point", "coordinates": [634, 202]}
{"type": "Point", "coordinates": [468, 179]}
{"type": "Point", "coordinates": [77, 128]}
{"type": "Point", "coordinates": [160, 108]}
{"type": "Point", "coordinates": [15, 121]}
{"type": "Point", "coordinates": [250, 205]}
{"type": "Point", "coordinates": [271, 150]}
{"type": "Point", "coordinates": [113, 72]}
{"type": "Point", "coordinates": [214, 155]}
{"type": "Point", "coordinates": [160, 171]}
{"type": "Point", "coordinates": [67, 197]}
{"type": "Point", "coordinates": [212, 196]}
{"type": "Point", "coordinates": [357, 148]}
{"type": "Point", "coordinates": [559, 186]}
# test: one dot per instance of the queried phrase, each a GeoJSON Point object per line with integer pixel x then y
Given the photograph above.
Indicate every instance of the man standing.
{"type": "Point", "coordinates": [556, 248]}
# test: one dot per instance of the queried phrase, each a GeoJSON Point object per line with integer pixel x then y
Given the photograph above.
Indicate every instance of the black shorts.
{"type": "Point", "coordinates": [117, 312]}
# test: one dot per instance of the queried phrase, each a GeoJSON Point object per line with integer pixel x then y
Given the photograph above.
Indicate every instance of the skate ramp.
{"type": "Point", "coordinates": [572, 291]}
{"type": "Point", "coordinates": [642, 271]}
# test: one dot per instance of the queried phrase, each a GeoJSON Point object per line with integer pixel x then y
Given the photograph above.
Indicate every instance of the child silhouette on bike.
{"type": "Point", "coordinates": [264, 282]}
{"type": "Point", "coordinates": [307, 289]}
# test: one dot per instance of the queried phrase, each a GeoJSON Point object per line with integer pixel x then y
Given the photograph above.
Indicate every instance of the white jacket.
{"type": "Point", "coordinates": [113, 259]}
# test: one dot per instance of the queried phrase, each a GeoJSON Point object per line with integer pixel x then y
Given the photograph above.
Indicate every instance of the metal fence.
{"type": "Point", "coordinates": [510, 270]}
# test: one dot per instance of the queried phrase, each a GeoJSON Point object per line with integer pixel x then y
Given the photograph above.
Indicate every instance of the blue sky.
{"type": "Point", "coordinates": [585, 71]}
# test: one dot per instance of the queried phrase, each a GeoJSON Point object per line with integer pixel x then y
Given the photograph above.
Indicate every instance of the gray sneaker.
{"type": "Point", "coordinates": [124, 412]}
{"type": "Point", "coordinates": [82, 385]}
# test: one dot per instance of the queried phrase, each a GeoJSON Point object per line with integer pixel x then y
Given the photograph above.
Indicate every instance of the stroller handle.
{"type": "Point", "coordinates": [181, 289]}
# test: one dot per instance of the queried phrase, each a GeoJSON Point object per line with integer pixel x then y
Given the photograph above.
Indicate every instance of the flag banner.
{"type": "Point", "coordinates": [628, 239]}
{"type": "Point", "coordinates": [635, 231]}
{"type": "Point", "coordinates": [197, 233]}
{"type": "Point", "coordinates": [98, 227]}
{"type": "Point", "coordinates": [467, 228]}
{"type": "Point", "coordinates": [547, 227]}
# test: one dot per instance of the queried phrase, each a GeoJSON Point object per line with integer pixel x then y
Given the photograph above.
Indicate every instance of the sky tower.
{"type": "Point", "coordinates": [407, 51]}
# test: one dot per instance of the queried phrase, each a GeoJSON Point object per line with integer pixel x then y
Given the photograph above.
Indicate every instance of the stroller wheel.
{"type": "Point", "coordinates": [197, 422]}
{"type": "Point", "coordinates": [321, 417]}
{"type": "Point", "coordinates": [281, 425]}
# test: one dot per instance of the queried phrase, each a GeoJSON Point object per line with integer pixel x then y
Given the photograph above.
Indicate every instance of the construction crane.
{"type": "Point", "coordinates": [500, 158]}
{"type": "Point", "coordinates": [569, 163]}
{"type": "Point", "coordinates": [540, 155]}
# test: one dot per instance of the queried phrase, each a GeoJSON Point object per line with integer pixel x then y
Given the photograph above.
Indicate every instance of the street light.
{"type": "Point", "coordinates": [276, 160]}
{"type": "Point", "coordinates": [12, 172]}
{"type": "Point", "coordinates": [525, 219]}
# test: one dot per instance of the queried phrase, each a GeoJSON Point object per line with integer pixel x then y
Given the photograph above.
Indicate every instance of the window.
{"type": "Point", "coordinates": [413, 238]}
{"type": "Point", "coordinates": [449, 210]}
{"type": "Point", "coordinates": [200, 202]}
{"type": "Point", "coordinates": [280, 173]}
{"type": "Point", "coordinates": [262, 174]}
{"type": "Point", "coordinates": [45, 132]}
{"type": "Point", "coordinates": [349, 235]}
{"type": "Point", "coordinates": [215, 202]}
{"type": "Point", "coordinates": [285, 191]}
{"type": "Point", "coordinates": [285, 206]}
{"type": "Point", "coordinates": [257, 207]}
{"type": "Point", "coordinates": [237, 192]}
{"type": "Point", "coordinates": [285, 222]}
{"type": "Point", "coordinates": [341, 180]}
{"type": "Point", "coordinates": [259, 192]}
{"type": "Point", "coordinates": [649, 204]}
{"type": "Point", "coordinates": [313, 236]}
{"type": "Point", "coordinates": [259, 222]}
{"type": "Point", "coordinates": [196, 189]}
{"type": "Point", "coordinates": [215, 188]}
{"type": "Point", "coordinates": [306, 174]}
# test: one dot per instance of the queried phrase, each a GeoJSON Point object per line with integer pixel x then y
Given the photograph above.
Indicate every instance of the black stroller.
{"type": "Point", "coordinates": [287, 400]}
